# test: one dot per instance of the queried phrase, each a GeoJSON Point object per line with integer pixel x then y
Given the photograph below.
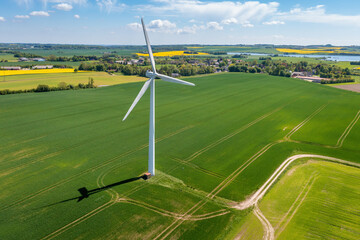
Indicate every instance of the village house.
{"type": "Point", "coordinates": [11, 68]}
{"type": "Point", "coordinates": [43, 67]}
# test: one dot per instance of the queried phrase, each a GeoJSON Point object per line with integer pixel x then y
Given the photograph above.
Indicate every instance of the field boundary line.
{"type": "Point", "coordinates": [347, 130]}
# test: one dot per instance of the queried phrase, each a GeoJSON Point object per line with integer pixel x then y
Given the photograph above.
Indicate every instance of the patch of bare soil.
{"type": "Point", "coordinates": [349, 87]}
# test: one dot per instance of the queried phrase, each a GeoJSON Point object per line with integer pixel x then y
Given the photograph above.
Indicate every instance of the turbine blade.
{"type": "Point", "coordinates": [148, 47]}
{"type": "Point", "coordinates": [174, 80]}
{"type": "Point", "coordinates": [140, 94]}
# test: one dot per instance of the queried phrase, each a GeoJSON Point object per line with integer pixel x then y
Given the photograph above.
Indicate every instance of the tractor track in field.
{"type": "Point", "coordinates": [342, 138]}
{"type": "Point", "coordinates": [198, 168]}
{"type": "Point", "coordinates": [295, 206]}
{"type": "Point", "coordinates": [295, 129]}
{"type": "Point", "coordinates": [223, 139]}
{"type": "Point", "coordinates": [48, 188]}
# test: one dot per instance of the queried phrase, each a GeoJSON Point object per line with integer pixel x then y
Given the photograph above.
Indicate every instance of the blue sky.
{"type": "Point", "coordinates": [180, 21]}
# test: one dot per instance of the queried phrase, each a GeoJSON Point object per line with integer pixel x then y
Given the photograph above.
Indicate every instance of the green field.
{"type": "Point", "coordinates": [216, 143]}
{"type": "Point", "coordinates": [69, 52]}
{"type": "Point", "coordinates": [29, 81]}
{"type": "Point", "coordinates": [321, 203]}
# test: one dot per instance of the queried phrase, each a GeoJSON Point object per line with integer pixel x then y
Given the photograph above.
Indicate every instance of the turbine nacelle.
{"type": "Point", "coordinates": [150, 74]}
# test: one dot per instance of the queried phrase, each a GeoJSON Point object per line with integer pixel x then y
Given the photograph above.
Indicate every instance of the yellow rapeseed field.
{"type": "Point", "coordinates": [37, 71]}
{"type": "Point", "coordinates": [303, 51]}
{"type": "Point", "coordinates": [172, 53]}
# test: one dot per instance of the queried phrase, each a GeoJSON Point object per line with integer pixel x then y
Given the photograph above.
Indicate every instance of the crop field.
{"type": "Point", "coordinates": [36, 71]}
{"type": "Point", "coordinates": [22, 64]}
{"type": "Point", "coordinates": [217, 143]}
{"type": "Point", "coordinates": [68, 52]}
{"type": "Point", "coordinates": [8, 57]}
{"type": "Point", "coordinates": [21, 82]}
{"type": "Point", "coordinates": [320, 204]}
{"type": "Point", "coordinates": [245, 49]}
{"type": "Point", "coordinates": [173, 53]}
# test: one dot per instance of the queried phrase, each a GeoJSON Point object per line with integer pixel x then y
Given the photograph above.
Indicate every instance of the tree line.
{"type": "Point", "coordinates": [46, 88]}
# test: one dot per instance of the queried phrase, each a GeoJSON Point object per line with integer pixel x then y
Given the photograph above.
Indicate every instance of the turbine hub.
{"type": "Point", "coordinates": [150, 74]}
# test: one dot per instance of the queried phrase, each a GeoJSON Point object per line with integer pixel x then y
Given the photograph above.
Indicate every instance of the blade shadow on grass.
{"type": "Point", "coordinates": [86, 193]}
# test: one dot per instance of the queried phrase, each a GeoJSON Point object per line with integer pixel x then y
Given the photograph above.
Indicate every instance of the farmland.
{"type": "Point", "coordinates": [216, 144]}
{"type": "Point", "coordinates": [320, 192]}
{"type": "Point", "coordinates": [173, 53]}
{"type": "Point", "coordinates": [20, 82]}
{"type": "Point", "coordinates": [37, 71]}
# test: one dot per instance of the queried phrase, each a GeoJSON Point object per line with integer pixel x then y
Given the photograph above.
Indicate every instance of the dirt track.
{"type": "Point", "coordinates": [349, 87]}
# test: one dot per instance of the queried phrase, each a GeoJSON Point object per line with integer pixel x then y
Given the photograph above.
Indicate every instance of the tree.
{"type": "Point", "coordinates": [42, 88]}
{"type": "Point", "coordinates": [62, 86]}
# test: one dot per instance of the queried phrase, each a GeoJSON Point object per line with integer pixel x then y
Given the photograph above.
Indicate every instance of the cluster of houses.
{"type": "Point", "coordinates": [24, 59]}
{"type": "Point", "coordinates": [308, 76]}
{"type": "Point", "coordinates": [33, 67]}
{"type": "Point", "coordinates": [139, 61]}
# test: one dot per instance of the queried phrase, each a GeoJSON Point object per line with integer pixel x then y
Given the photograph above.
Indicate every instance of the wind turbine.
{"type": "Point", "coordinates": [151, 82]}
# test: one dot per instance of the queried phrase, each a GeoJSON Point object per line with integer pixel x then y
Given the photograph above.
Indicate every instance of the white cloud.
{"type": "Point", "coordinates": [134, 26]}
{"type": "Point", "coordinates": [27, 3]}
{"type": "Point", "coordinates": [246, 11]}
{"type": "Point", "coordinates": [22, 16]}
{"type": "Point", "coordinates": [318, 14]}
{"type": "Point", "coordinates": [63, 7]}
{"type": "Point", "coordinates": [2, 19]}
{"type": "Point", "coordinates": [189, 30]}
{"type": "Point", "coordinates": [214, 25]}
{"type": "Point", "coordinates": [76, 16]}
{"type": "Point", "coordinates": [229, 21]}
{"type": "Point", "coordinates": [110, 5]}
{"type": "Point", "coordinates": [247, 24]}
{"type": "Point", "coordinates": [159, 25]}
{"type": "Point", "coordinates": [274, 22]}
{"type": "Point", "coordinates": [40, 13]}
{"type": "Point", "coordinates": [78, 2]}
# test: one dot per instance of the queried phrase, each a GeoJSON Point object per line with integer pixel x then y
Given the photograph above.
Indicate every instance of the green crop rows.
{"type": "Point", "coordinates": [54, 143]}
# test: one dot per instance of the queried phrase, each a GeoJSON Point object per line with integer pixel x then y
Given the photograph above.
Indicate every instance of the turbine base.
{"type": "Point", "coordinates": [147, 176]}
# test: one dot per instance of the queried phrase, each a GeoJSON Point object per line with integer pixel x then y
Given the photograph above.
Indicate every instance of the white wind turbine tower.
{"type": "Point", "coordinates": [151, 82]}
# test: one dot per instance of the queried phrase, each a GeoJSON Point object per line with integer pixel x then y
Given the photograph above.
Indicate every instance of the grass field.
{"type": "Point", "coordinates": [321, 203]}
{"type": "Point", "coordinates": [216, 143]}
{"type": "Point", "coordinates": [21, 82]}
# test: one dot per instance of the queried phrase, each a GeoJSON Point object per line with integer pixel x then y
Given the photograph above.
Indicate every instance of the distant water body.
{"type": "Point", "coordinates": [337, 58]}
